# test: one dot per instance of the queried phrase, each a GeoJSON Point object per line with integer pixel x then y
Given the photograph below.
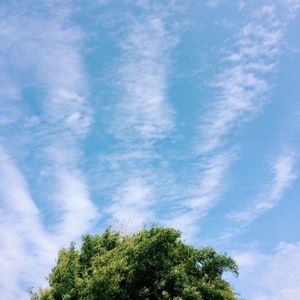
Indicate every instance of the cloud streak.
{"type": "Point", "coordinates": [143, 112]}
{"type": "Point", "coordinates": [241, 89]}
{"type": "Point", "coordinates": [202, 196]}
{"type": "Point", "coordinates": [276, 274]}
{"type": "Point", "coordinates": [49, 51]}
{"type": "Point", "coordinates": [21, 230]}
{"type": "Point", "coordinates": [131, 208]}
{"type": "Point", "coordinates": [66, 117]}
{"type": "Point", "coordinates": [283, 176]}
{"type": "Point", "coordinates": [143, 117]}
{"type": "Point", "coordinates": [241, 86]}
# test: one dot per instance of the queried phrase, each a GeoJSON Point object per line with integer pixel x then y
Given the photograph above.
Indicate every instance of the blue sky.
{"type": "Point", "coordinates": [132, 113]}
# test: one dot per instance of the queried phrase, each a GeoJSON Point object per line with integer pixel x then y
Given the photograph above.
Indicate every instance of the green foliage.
{"type": "Point", "coordinates": [152, 264]}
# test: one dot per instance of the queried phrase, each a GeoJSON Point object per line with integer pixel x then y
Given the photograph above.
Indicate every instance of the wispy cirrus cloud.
{"type": "Point", "coordinates": [292, 5]}
{"type": "Point", "coordinates": [66, 117]}
{"type": "Point", "coordinates": [241, 85]}
{"type": "Point", "coordinates": [51, 127]}
{"type": "Point", "coordinates": [271, 276]}
{"type": "Point", "coordinates": [131, 208]}
{"type": "Point", "coordinates": [203, 195]}
{"type": "Point", "coordinates": [143, 116]}
{"type": "Point", "coordinates": [241, 89]}
{"type": "Point", "coordinates": [283, 175]}
{"type": "Point", "coordinates": [22, 232]}
{"type": "Point", "coordinates": [143, 112]}
{"type": "Point", "coordinates": [213, 172]}
{"type": "Point", "coordinates": [283, 169]}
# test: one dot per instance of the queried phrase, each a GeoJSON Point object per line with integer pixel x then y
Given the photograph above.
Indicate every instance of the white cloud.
{"type": "Point", "coordinates": [52, 49]}
{"type": "Point", "coordinates": [131, 208]}
{"type": "Point", "coordinates": [241, 4]}
{"type": "Point", "coordinates": [142, 116]}
{"type": "Point", "coordinates": [283, 175]}
{"type": "Point", "coordinates": [78, 212]}
{"type": "Point", "coordinates": [240, 86]}
{"type": "Point", "coordinates": [203, 196]}
{"type": "Point", "coordinates": [13, 260]}
{"type": "Point", "coordinates": [292, 6]}
{"type": "Point", "coordinates": [10, 92]}
{"type": "Point", "coordinates": [241, 90]}
{"type": "Point", "coordinates": [212, 181]}
{"type": "Point", "coordinates": [48, 53]}
{"type": "Point", "coordinates": [17, 202]}
{"type": "Point", "coordinates": [23, 236]}
{"type": "Point", "coordinates": [273, 276]}
{"type": "Point", "coordinates": [143, 111]}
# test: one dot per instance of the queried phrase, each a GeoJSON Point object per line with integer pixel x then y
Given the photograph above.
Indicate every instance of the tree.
{"type": "Point", "coordinates": [152, 264]}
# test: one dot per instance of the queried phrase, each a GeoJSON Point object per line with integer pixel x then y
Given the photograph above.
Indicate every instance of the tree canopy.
{"type": "Point", "coordinates": [152, 264]}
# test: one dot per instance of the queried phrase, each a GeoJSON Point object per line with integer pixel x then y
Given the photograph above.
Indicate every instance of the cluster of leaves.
{"type": "Point", "coordinates": [152, 264]}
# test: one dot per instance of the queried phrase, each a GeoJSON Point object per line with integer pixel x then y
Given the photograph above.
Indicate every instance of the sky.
{"type": "Point", "coordinates": [132, 113]}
